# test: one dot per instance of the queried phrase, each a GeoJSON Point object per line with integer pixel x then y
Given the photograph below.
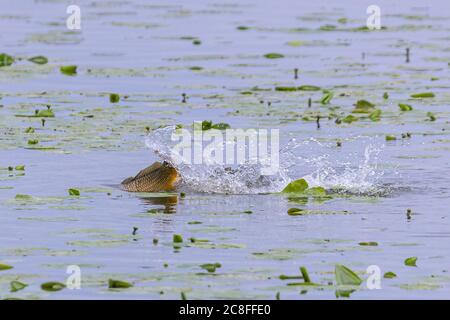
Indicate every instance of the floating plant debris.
{"type": "Point", "coordinates": [423, 95]}
{"type": "Point", "coordinates": [390, 137]}
{"type": "Point", "coordinates": [38, 60]}
{"type": "Point", "coordinates": [411, 262]}
{"type": "Point", "coordinates": [405, 107]}
{"type": "Point", "coordinates": [118, 284]}
{"type": "Point", "coordinates": [389, 275]}
{"type": "Point", "coordinates": [17, 286]}
{"type": "Point", "coordinates": [52, 286]}
{"type": "Point", "coordinates": [177, 238]}
{"type": "Point", "coordinates": [68, 70]}
{"type": "Point", "coordinates": [114, 97]}
{"type": "Point", "coordinates": [6, 60]}
{"type": "Point", "coordinates": [273, 55]}
{"type": "Point", "coordinates": [5, 267]}
{"type": "Point", "coordinates": [345, 276]}
{"type": "Point", "coordinates": [74, 192]}
{"type": "Point", "coordinates": [211, 267]}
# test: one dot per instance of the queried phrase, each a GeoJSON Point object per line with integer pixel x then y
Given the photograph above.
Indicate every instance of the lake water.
{"type": "Point", "coordinates": [150, 53]}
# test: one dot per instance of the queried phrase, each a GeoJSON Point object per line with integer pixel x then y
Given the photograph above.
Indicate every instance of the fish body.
{"type": "Point", "coordinates": [155, 178]}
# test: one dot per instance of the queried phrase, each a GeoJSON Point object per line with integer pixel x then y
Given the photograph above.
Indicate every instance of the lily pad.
{"type": "Point", "coordinates": [39, 60]}
{"type": "Point", "coordinates": [423, 95]}
{"type": "Point", "coordinates": [411, 262]}
{"type": "Point", "coordinates": [346, 277]}
{"type": "Point", "coordinates": [52, 286]}
{"type": "Point", "coordinates": [6, 60]}
{"type": "Point", "coordinates": [69, 70]}
{"type": "Point", "coordinates": [273, 55]}
{"type": "Point", "coordinates": [118, 284]}
{"type": "Point", "coordinates": [297, 186]}
{"type": "Point", "coordinates": [17, 285]}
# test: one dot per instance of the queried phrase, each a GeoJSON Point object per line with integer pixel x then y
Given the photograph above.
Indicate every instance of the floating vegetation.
{"type": "Point", "coordinates": [309, 88]}
{"type": "Point", "coordinates": [114, 98]}
{"type": "Point", "coordinates": [326, 98]}
{"type": "Point", "coordinates": [177, 238]}
{"type": "Point", "coordinates": [389, 275]}
{"type": "Point", "coordinates": [74, 192]}
{"type": "Point", "coordinates": [6, 60]}
{"type": "Point", "coordinates": [411, 262]}
{"type": "Point", "coordinates": [211, 267]}
{"type": "Point", "coordinates": [207, 125]}
{"type": "Point", "coordinates": [370, 243]}
{"type": "Point", "coordinates": [273, 56]}
{"type": "Point", "coordinates": [118, 284]}
{"type": "Point", "coordinates": [363, 106]}
{"type": "Point", "coordinates": [349, 119]}
{"type": "Point", "coordinates": [38, 60]}
{"type": "Point", "coordinates": [390, 137]}
{"type": "Point", "coordinates": [431, 116]}
{"type": "Point", "coordinates": [5, 267]}
{"type": "Point", "coordinates": [423, 95]}
{"type": "Point", "coordinates": [405, 107]}
{"type": "Point", "coordinates": [52, 286]}
{"type": "Point", "coordinates": [70, 70]}
{"type": "Point", "coordinates": [17, 286]}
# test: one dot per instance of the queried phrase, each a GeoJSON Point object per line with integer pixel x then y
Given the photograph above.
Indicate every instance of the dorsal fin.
{"type": "Point", "coordinates": [148, 170]}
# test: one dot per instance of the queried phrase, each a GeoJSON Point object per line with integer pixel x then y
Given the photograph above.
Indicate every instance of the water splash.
{"type": "Point", "coordinates": [319, 163]}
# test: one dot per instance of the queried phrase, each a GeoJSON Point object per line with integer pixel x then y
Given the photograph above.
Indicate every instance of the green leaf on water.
{"type": "Point", "coordinates": [326, 98]}
{"type": "Point", "coordinates": [118, 284]}
{"type": "Point", "coordinates": [46, 113]}
{"type": "Point", "coordinates": [411, 262]}
{"type": "Point", "coordinates": [74, 192]}
{"type": "Point", "coordinates": [405, 107]}
{"type": "Point", "coordinates": [6, 60]}
{"type": "Point", "coordinates": [423, 95]}
{"type": "Point", "coordinates": [5, 267]}
{"type": "Point", "coordinates": [390, 137]}
{"type": "Point", "coordinates": [363, 106]}
{"type": "Point", "coordinates": [316, 191]}
{"type": "Point", "coordinates": [221, 126]}
{"type": "Point", "coordinates": [297, 186]}
{"type": "Point", "coordinates": [17, 285]}
{"type": "Point", "coordinates": [375, 115]}
{"type": "Point", "coordinates": [210, 267]}
{"type": "Point", "coordinates": [52, 286]}
{"type": "Point", "coordinates": [68, 70]}
{"type": "Point", "coordinates": [295, 212]}
{"type": "Point", "coordinates": [370, 243]}
{"type": "Point", "coordinates": [286, 277]}
{"type": "Point", "coordinates": [39, 60]}
{"type": "Point", "coordinates": [29, 130]}
{"type": "Point", "coordinates": [20, 168]}
{"type": "Point", "coordinates": [23, 197]}
{"type": "Point", "coordinates": [431, 116]}
{"type": "Point", "coordinates": [305, 275]}
{"type": "Point", "coordinates": [114, 98]}
{"type": "Point", "coordinates": [33, 141]}
{"type": "Point", "coordinates": [349, 119]}
{"type": "Point", "coordinates": [346, 277]}
{"type": "Point", "coordinates": [282, 88]}
{"type": "Point", "coordinates": [273, 55]}
{"type": "Point", "coordinates": [386, 95]}
{"type": "Point", "coordinates": [389, 275]}
{"type": "Point", "coordinates": [242, 28]}
{"type": "Point", "coordinates": [308, 88]}
{"type": "Point", "coordinates": [196, 42]}
{"type": "Point", "coordinates": [177, 238]}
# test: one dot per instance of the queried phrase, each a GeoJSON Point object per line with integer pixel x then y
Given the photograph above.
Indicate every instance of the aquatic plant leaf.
{"type": "Point", "coordinates": [39, 60]}
{"type": "Point", "coordinates": [370, 243]}
{"type": "Point", "coordinates": [431, 116]}
{"type": "Point", "coordinates": [177, 238]}
{"type": "Point", "coordinates": [118, 284]}
{"type": "Point", "coordinates": [305, 275]}
{"type": "Point", "coordinates": [295, 211]}
{"type": "Point", "coordinates": [389, 275]}
{"type": "Point", "coordinates": [346, 277]}
{"type": "Point", "coordinates": [297, 186]}
{"type": "Point", "coordinates": [68, 70]}
{"type": "Point", "coordinates": [17, 285]}
{"type": "Point", "coordinates": [74, 192]}
{"type": "Point", "coordinates": [423, 95]}
{"type": "Point", "coordinates": [6, 60]}
{"type": "Point", "coordinates": [52, 286]}
{"type": "Point", "coordinates": [221, 126]}
{"type": "Point", "coordinates": [309, 88]}
{"type": "Point", "coordinates": [210, 267]}
{"type": "Point", "coordinates": [5, 267]}
{"type": "Point", "coordinates": [375, 115]}
{"type": "Point", "coordinates": [114, 98]}
{"type": "Point", "coordinates": [273, 55]}
{"type": "Point", "coordinates": [282, 88]}
{"type": "Point", "coordinates": [411, 262]}
{"type": "Point", "coordinates": [19, 168]}
{"type": "Point", "coordinates": [390, 137]}
{"type": "Point", "coordinates": [349, 119]}
{"type": "Point", "coordinates": [326, 98]}
{"type": "Point", "coordinates": [405, 107]}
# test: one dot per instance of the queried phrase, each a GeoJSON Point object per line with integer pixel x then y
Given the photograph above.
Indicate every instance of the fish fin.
{"type": "Point", "coordinates": [148, 170]}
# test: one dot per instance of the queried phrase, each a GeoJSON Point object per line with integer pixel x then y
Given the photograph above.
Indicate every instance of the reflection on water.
{"type": "Point", "coordinates": [169, 203]}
